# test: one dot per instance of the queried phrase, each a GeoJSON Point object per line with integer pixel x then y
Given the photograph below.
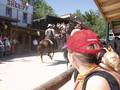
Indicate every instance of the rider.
{"type": "Point", "coordinates": [49, 32]}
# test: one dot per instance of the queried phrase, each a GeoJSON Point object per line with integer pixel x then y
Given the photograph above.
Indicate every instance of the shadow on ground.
{"type": "Point", "coordinates": [24, 54]}
{"type": "Point", "coordinates": [18, 55]}
{"type": "Point", "coordinates": [57, 62]}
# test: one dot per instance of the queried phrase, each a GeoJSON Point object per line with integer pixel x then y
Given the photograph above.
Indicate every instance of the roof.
{"type": "Point", "coordinates": [110, 9]}
{"type": "Point", "coordinates": [55, 20]}
{"type": "Point", "coordinates": [43, 22]}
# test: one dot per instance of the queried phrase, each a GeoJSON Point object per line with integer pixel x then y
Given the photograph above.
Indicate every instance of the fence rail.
{"type": "Point", "coordinates": [56, 82]}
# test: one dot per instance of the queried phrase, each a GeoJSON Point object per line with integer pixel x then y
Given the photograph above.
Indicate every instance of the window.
{"type": "Point", "coordinates": [24, 17]}
{"type": "Point", "coordinates": [8, 11]}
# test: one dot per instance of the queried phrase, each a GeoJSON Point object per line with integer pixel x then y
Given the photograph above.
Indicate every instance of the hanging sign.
{"type": "Point", "coordinates": [15, 4]}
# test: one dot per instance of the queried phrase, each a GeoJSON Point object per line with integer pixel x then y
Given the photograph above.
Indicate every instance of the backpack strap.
{"type": "Point", "coordinates": [110, 79]}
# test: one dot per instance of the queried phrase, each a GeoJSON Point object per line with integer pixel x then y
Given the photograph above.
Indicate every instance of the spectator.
{"type": "Point", "coordinates": [14, 43]}
{"type": "Point", "coordinates": [7, 45]}
{"type": "Point", "coordinates": [35, 44]}
{"type": "Point", "coordinates": [115, 43]}
{"type": "Point", "coordinates": [83, 47]}
{"type": "Point", "coordinates": [2, 49]}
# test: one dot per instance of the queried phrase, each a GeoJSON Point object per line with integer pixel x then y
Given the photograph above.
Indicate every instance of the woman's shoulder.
{"type": "Point", "coordinates": [97, 82]}
{"type": "Point", "coordinates": [101, 80]}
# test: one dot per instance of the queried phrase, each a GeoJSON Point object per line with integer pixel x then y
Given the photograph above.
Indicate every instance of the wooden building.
{"type": "Point", "coordinates": [16, 21]}
{"type": "Point", "coordinates": [110, 9]}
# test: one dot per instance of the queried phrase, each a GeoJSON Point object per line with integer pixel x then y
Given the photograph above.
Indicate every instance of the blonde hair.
{"type": "Point", "coordinates": [88, 58]}
{"type": "Point", "coordinates": [111, 59]}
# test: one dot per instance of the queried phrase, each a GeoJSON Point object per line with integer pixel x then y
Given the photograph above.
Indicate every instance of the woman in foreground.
{"type": "Point", "coordinates": [83, 48]}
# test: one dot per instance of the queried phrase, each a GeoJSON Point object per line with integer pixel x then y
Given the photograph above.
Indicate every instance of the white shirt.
{"type": "Point", "coordinates": [35, 42]}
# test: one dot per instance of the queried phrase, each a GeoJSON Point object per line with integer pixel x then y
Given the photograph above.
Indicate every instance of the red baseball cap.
{"type": "Point", "coordinates": [79, 41]}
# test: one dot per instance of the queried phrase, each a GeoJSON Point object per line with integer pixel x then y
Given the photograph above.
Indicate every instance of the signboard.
{"type": "Point", "coordinates": [13, 3]}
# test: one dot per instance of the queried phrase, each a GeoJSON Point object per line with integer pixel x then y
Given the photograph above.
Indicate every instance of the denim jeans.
{"type": "Point", "coordinates": [1, 54]}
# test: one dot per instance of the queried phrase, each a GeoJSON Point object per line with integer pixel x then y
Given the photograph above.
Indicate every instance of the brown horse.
{"type": "Point", "coordinates": [46, 45]}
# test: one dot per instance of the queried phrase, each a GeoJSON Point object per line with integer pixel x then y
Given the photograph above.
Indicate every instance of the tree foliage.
{"type": "Point", "coordinates": [94, 20]}
{"type": "Point", "coordinates": [79, 14]}
{"type": "Point", "coordinates": [28, 1]}
{"type": "Point", "coordinates": [41, 9]}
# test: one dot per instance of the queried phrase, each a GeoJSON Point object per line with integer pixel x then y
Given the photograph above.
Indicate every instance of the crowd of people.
{"type": "Point", "coordinates": [7, 46]}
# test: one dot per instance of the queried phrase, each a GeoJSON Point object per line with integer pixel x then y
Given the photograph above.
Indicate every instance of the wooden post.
{"type": "Point", "coordinates": [107, 33]}
{"type": "Point", "coordinates": [56, 82]}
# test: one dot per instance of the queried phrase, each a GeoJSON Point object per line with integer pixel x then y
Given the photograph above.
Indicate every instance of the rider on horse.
{"type": "Point", "coordinates": [49, 34]}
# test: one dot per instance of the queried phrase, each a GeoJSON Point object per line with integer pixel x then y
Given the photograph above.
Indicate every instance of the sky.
{"type": "Point", "coordinates": [62, 7]}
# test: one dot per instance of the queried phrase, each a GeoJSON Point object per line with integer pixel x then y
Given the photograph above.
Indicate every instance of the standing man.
{"type": "Point", "coordinates": [2, 48]}
{"type": "Point", "coordinates": [35, 43]}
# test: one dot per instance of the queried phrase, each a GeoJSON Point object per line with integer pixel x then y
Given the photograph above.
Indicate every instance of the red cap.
{"type": "Point", "coordinates": [81, 39]}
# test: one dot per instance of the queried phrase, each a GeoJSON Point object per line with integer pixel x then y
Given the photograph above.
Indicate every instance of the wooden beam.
{"type": "Point", "coordinates": [116, 23]}
{"type": "Point", "coordinates": [113, 15]}
{"type": "Point", "coordinates": [100, 9]}
{"type": "Point", "coordinates": [113, 18]}
{"type": "Point", "coordinates": [110, 2]}
{"type": "Point", "coordinates": [117, 27]}
{"type": "Point", "coordinates": [111, 7]}
{"type": "Point", "coordinates": [112, 12]}
{"type": "Point", "coordinates": [116, 31]}
{"type": "Point", "coordinates": [101, 1]}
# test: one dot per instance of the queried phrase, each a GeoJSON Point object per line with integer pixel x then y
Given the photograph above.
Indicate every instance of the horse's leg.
{"type": "Point", "coordinates": [49, 53]}
{"type": "Point", "coordinates": [52, 50]}
{"type": "Point", "coordinates": [41, 54]}
{"type": "Point", "coordinates": [65, 56]}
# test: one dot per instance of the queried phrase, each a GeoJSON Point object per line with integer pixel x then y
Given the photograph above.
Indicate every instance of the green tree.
{"type": "Point", "coordinates": [100, 27]}
{"type": "Point", "coordinates": [41, 9]}
{"type": "Point", "coordinates": [79, 14]}
{"type": "Point", "coordinates": [94, 20]}
{"type": "Point", "coordinates": [90, 17]}
{"type": "Point", "coordinates": [26, 1]}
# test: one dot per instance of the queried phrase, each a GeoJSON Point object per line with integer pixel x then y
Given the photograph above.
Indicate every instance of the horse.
{"type": "Point", "coordinates": [45, 44]}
